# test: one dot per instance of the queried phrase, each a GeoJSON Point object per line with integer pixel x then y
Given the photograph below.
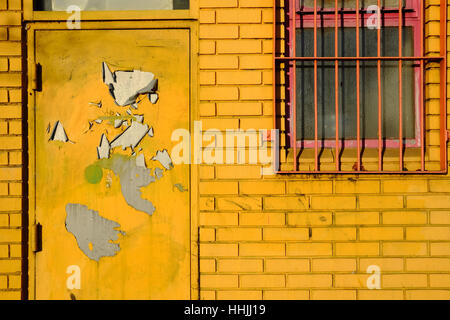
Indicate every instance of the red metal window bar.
{"type": "Point", "coordinates": [292, 16]}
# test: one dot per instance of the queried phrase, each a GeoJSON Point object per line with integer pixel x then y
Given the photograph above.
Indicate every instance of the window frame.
{"type": "Point", "coordinates": [192, 13]}
{"type": "Point", "coordinates": [433, 158]}
{"type": "Point", "coordinates": [390, 19]}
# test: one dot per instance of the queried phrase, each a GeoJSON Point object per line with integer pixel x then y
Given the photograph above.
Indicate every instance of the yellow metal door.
{"type": "Point", "coordinates": [114, 210]}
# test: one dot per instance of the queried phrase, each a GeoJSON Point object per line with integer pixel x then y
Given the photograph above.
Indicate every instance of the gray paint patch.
{"type": "Point", "coordinates": [90, 229]}
{"type": "Point", "coordinates": [131, 137]}
{"type": "Point", "coordinates": [132, 178]}
{"type": "Point", "coordinates": [164, 159]}
{"type": "Point", "coordinates": [126, 86]}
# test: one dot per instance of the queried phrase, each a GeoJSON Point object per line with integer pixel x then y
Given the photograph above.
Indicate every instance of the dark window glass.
{"type": "Point", "coordinates": [94, 5]}
{"type": "Point", "coordinates": [347, 85]}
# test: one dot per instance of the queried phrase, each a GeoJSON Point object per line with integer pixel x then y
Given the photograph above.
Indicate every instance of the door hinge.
{"type": "Point", "coordinates": [36, 237]}
{"type": "Point", "coordinates": [36, 84]}
{"type": "Point", "coordinates": [448, 135]}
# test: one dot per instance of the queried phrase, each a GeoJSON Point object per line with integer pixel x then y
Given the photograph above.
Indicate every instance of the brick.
{"type": "Point", "coordinates": [10, 143]}
{"type": "Point", "coordinates": [15, 282]}
{"type": "Point", "coordinates": [309, 281]}
{"type": "Point", "coordinates": [219, 32]}
{"type": "Point", "coordinates": [239, 108]}
{"type": "Point", "coordinates": [206, 204]}
{"type": "Point", "coordinates": [218, 219]}
{"type": "Point", "coordinates": [405, 186]}
{"type": "Point", "coordinates": [207, 16]}
{"type": "Point", "coordinates": [9, 79]}
{"type": "Point", "coordinates": [256, 93]}
{"type": "Point", "coordinates": [10, 204]}
{"type": "Point", "coordinates": [357, 186]}
{"type": "Point", "coordinates": [10, 295]}
{"type": "Point", "coordinates": [239, 16]}
{"type": "Point", "coordinates": [217, 3]}
{"type": "Point", "coordinates": [310, 219]}
{"type": "Point", "coordinates": [376, 202]}
{"type": "Point", "coordinates": [440, 217]}
{"type": "Point", "coordinates": [239, 203]}
{"type": "Point", "coordinates": [239, 77]}
{"type": "Point", "coordinates": [357, 249]}
{"type": "Point", "coordinates": [333, 234]}
{"type": "Point", "coordinates": [428, 294]}
{"type": "Point", "coordinates": [261, 219]}
{"type": "Point", "coordinates": [357, 218]}
{"type": "Point", "coordinates": [250, 62]}
{"type": "Point", "coordinates": [15, 158]}
{"type": "Point", "coordinates": [380, 294]}
{"type": "Point", "coordinates": [384, 233]}
{"type": "Point", "coordinates": [239, 46]}
{"type": "Point", "coordinates": [219, 250]}
{"type": "Point", "coordinates": [207, 109]}
{"type": "Point", "coordinates": [285, 234]}
{"type": "Point", "coordinates": [218, 93]}
{"type": "Point", "coordinates": [219, 62]}
{"type": "Point", "coordinates": [404, 280]}
{"type": "Point", "coordinates": [286, 295]}
{"type": "Point", "coordinates": [329, 203]}
{"type": "Point", "coordinates": [220, 124]}
{"type": "Point", "coordinates": [218, 187]}
{"type": "Point", "coordinates": [15, 127]}
{"type": "Point", "coordinates": [207, 47]}
{"type": "Point", "coordinates": [3, 282]}
{"type": "Point", "coordinates": [308, 249]}
{"type": "Point", "coordinates": [15, 250]}
{"type": "Point", "coordinates": [208, 234]}
{"type": "Point", "coordinates": [240, 265]}
{"type": "Point", "coordinates": [15, 220]}
{"type": "Point", "coordinates": [263, 31]}
{"type": "Point", "coordinates": [404, 217]}
{"type": "Point", "coordinates": [239, 295]}
{"type": "Point", "coordinates": [207, 265]}
{"type": "Point", "coordinates": [286, 203]}
{"type": "Point", "coordinates": [351, 280]}
{"type": "Point", "coordinates": [4, 251]}
{"type": "Point", "coordinates": [333, 295]}
{"type": "Point", "coordinates": [428, 264]}
{"type": "Point", "coordinates": [440, 280]}
{"type": "Point", "coordinates": [428, 201]}
{"type": "Point", "coordinates": [440, 249]}
{"type": "Point", "coordinates": [218, 281]}
{"type": "Point", "coordinates": [206, 78]}
{"type": "Point", "coordinates": [385, 264]}
{"type": "Point", "coordinates": [239, 234]}
{"type": "Point", "coordinates": [261, 249]}
{"type": "Point", "coordinates": [262, 187]}
{"type": "Point", "coordinates": [404, 248]}
{"type": "Point", "coordinates": [324, 265]}
{"type": "Point", "coordinates": [207, 295]}
{"type": "Point", "coordinates": [10, 266]}
{"type": "Point", "coordinates": [287, 265]}
{"type": "Point", "coordinates": [9, 18]}
{"type": "Point", "coordinates": [262, 281]}
{"type": "Point", "coordinates": [238, 172]}
{"type": "Point", "coordinates": [10, 112]}
{"type": "Point", "coordinates": [428, 233]}
{"type": "Point", "coordinates": [439, 185]}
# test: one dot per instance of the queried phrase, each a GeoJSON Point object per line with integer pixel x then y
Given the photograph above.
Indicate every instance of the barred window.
{"type": "Point", "coordinates": [351, 82]}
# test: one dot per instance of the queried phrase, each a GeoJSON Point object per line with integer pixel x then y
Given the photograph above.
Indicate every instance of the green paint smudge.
{"type": "Point", "coordinates": [93, 174]}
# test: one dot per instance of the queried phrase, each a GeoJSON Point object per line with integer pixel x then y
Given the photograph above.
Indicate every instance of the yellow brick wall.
{"type": "Point", "coordinates": [299, 236]}
{"type": "Point", "coordinates": [10, 148]}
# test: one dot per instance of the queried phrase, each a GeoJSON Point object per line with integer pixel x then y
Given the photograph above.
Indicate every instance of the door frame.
{"type": "Point", "coordinates": [30, 103]}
